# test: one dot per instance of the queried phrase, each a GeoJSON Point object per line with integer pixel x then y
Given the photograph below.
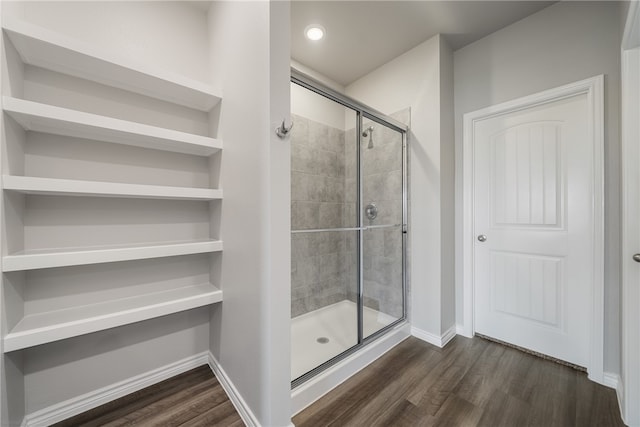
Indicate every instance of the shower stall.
{"type": "Point", "coordinates": [348, 221]}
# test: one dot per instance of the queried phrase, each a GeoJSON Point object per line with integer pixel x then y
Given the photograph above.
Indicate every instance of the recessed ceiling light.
{"type": "Point", "coordinates": [314, 32]}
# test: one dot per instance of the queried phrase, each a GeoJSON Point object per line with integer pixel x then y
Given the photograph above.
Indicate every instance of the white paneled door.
{"type": "Point", "coordinates": [533, 224]}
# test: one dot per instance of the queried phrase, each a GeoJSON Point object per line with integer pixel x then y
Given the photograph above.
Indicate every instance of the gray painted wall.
{"type": "Point", "coordinates": [563, 43]}
{"type": "Point", "coordinates": [447, 182]}
{"type": "Point", "coordinates": [250, 331]}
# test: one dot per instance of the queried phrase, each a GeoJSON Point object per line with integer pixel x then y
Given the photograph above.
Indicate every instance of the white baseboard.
{"type": "Point", "coordinates": [461, 330]}
{"type": "Point", "coordinates": [437, 340]}
{"type": "Point", "coordinates": [88, 401]}
{"type": "Point", "coordinates": [615, 381]}
{"type": "Point", "coordinates": [621, 401]}
{"type": "Point", "coordinates": [241, 406]}
{"type": "Point", "coordinates": [611, 380]}
{"type": "Point", "coordinates": [449, 335]}
{"type": "Point", "coordinates": [77, 405]}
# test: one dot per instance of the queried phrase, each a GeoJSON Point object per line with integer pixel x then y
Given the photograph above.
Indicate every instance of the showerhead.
{"type": "Point", "coordinates": [369, 132]}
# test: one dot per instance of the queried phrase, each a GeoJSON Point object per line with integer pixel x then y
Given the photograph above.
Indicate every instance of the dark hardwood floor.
{"type": "Point", "coordinates": [470, 382]}
{"type": "Point", "coordinates": [192, 399]}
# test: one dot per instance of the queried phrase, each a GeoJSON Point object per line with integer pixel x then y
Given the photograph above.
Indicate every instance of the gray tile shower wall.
{"type": "Point", "coordinates": [317, 175]}
{"type": "Point", "coordinates": [382, 248]}
{"type": "Point", "coordinates": [324, 195]}
{"type": "Point", "coordinates": [319, 275]}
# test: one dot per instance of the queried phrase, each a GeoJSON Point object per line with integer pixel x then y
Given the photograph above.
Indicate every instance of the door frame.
{"type": "Point", "coordinates": [628, 389]}
{"type": "Point", "coordinates": [594, 89]}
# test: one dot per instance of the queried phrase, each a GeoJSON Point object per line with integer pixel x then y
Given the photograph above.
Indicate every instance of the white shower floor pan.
{"type": "Point", "coordinates": [324, 333]}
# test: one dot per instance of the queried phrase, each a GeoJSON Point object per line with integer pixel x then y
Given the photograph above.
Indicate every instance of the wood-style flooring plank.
{"type": "Point", "coordinates": [470, 382]}
{"type": "Point", "coordinates": [194, 398]}
{"type": "Point", "coordinates": [402, 413]}
{"type": "Point", "coordinates": [477, 386]}
{"type": "Point", "coordinates": [511, 375]}
{"type": "Point", "coordinates": [596, 405]}
{"type": "Point", "coordinates": [115, 409]}
{"type": "Point", "coordinates": [468, 349]}
{"type": "Point", "coordinates": [458, 412]}
{"type": "Point", "coordinates": [455, 367]}
{"type": "Point", "coordinates": [162, 407]}
{"type": "Point", "coordinates": [368, 412]}
{"type": "Point", "coordinates": [375, 388]}
{"type": "Point", "coordinates": [350, 393]}
{"type": "Point", "coordinates": [504, 410]}
{"type": "Point", "coordinates": [551, 385]}
{"type": "Point", "coordinates": [222, 415]}
{"type": "Point", "coordinates": [179, 408]}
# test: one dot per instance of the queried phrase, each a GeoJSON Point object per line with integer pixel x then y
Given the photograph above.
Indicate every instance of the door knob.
{"type": "Point", "coordinates": [482, 238]}
{"type": "Point", "coordinates": [636, 257]}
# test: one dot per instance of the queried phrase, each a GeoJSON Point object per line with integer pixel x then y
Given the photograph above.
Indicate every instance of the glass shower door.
{"type": "Point", "coordinates": [348, 207]}
{"type": "Point", "coordinates": [324, 230]}
{"type": "Point", "coordinates": [381, 154]}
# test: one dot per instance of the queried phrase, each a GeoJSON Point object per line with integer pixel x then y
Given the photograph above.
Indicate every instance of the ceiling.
{"type": "Point", "coordinates": [363, 35]}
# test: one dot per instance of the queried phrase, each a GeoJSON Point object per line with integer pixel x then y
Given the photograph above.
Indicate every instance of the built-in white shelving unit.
{"type": "Point", "coordinates": [43, 142]}
{"type": "Point", "coordinates": [45, 327]}
{"type": "Point", "coordinates": [34, 116]}
{"type": "Point", "coordinates": [70, 187]}
{"type": "Point", "coordinates": [46, 49]}
{"type": "Point", "coordinates": [30, 260]}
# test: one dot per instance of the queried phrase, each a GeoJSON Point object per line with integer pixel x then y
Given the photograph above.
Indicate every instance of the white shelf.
{"type": "Point", "coordinates": [47, 49]}
{"type": "Point", "coordinates": [71, 187]}
{"type": "Point", "coordinates": [34, 116]}
{"type": "Point", "coordinates": [52, 326]}
{"type": "Point", "coordinates": [31, 260]}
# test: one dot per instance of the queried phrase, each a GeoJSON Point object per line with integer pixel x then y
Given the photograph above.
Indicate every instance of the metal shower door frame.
{"type": "Point", "coordinates": [362, 112]}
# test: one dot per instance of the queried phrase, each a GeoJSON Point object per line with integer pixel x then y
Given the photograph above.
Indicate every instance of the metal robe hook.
{"type": "Point", "coordinates": [282, 131]}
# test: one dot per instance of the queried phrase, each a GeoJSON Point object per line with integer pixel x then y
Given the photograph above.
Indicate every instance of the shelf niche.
{"type": "Point", "coordinates": [53, 304]}
{"type": "Point", "coordinates": [74, 182]}
{"type": "Point", "coordinates": [39, 117]}
{"type": "Point", "coordinates": [69, 187]}
{"type": "Point", "coordinates": [49, 50]}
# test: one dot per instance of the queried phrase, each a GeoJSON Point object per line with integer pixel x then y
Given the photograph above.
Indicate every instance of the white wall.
{"type": "Point", "coordinates": [12, 402]}
{"type": "Point", "coordinates": [317, 76]}
{"type": "Point", "coordinates": [563, 43]}
{"type": "Point", "coordinates": [250, 335]}
{"type": "Point", "coordinates": [66, 369]}
{"type": "Point", "coordinates": [166, 34]}
{"type": "Point", "coordinates": [318, 108]}
{"type": "Point", "coordinates": [413, 80]}
{"type": "Point", "coordinates": [447, 186]}
{"type": "Point", "coordinates": [315, 107]}
{"type": "Point", "coordinates": [278, 326]}
{"type": "Point", "coordinates": [629, 386]}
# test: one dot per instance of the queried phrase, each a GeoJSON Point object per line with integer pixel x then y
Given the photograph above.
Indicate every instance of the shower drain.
{"type": "Point", "coordinates": [323, 340]}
